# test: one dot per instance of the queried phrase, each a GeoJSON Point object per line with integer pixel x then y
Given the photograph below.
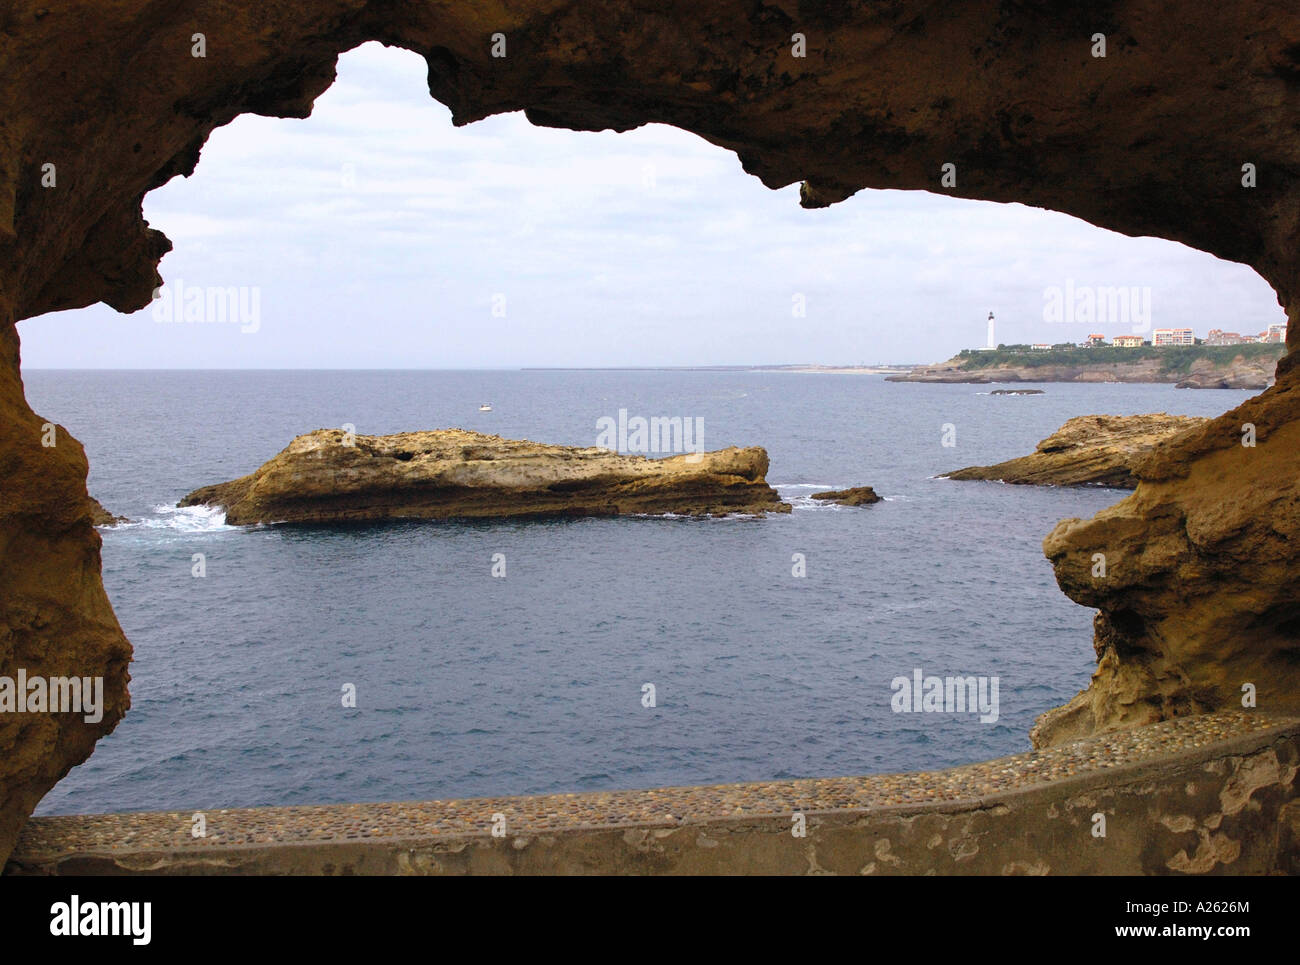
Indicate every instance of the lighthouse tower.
{"type": "Point", "coordinates": [992, 342]}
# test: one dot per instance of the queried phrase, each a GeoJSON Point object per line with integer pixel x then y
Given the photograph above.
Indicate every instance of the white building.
{"type": "Point", "coordinates": [1173, 336]}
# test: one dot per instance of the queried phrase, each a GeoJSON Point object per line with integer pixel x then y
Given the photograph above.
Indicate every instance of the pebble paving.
{"type": "Point", "coordinates": [146, 831]}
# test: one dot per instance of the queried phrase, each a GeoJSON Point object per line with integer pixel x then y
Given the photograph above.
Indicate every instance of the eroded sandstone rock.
{"type": "Point", "coordinates": [1090, 450]}
{"type": "Point", "coordinates": [55, 619]}
{"type": "Point", "coordinates": [99, 516]}
{"type": "Point", "coordinates": [1197, 587]}
{"type": "Point", "coordinates": [857, 496]}
{"type": "Point", "coordinates": [327, 476]}
{"type": "Point", "coordinates": [1242, 374]}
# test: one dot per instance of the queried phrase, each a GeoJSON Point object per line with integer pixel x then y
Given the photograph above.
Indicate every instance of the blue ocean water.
{"type": "Point", "coordinates": [470, 685]}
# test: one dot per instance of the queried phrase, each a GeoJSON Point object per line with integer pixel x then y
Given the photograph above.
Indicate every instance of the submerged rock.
{"type": "Point", "coordinates": [857, 496]}
{"type": "Point", "coordinates": [1016, 392]}
{"type": "Point", "coordinates": [326, 477]}
{"type": "Point", "coordinates": [1090, 450]}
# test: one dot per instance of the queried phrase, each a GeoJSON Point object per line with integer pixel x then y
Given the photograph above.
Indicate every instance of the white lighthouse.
{"type": "Point", "coordinates": [992, 342]}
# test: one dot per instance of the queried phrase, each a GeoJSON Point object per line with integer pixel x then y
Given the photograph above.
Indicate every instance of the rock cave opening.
{"type": "Point", "coordinates": [262, 180]}
{"type": "Point", "coordinates": [1212, 521]}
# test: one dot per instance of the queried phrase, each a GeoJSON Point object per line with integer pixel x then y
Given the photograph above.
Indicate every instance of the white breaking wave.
{"type": "Point", "coordinates": [808, 503]}
{"type": "Point", "coordinates": [804, 500]}
{"type": "Point", "coordinates": [186, 519]}
{"type": "Point", "coordinates": [691, 518]}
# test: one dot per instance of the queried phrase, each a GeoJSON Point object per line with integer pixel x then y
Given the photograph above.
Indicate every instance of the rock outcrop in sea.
{"type": "Point", "coordinates": [1090, 450]}
{"type": "Point", "coordinates": [328, 476]}
{"type": "Point", "coordinates": [102, 517]}
{"type": "Point", "coordinates": [857, 496]}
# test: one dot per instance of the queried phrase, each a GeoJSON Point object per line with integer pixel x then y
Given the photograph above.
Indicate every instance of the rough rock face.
{"type": "Point", "coordinates": [1090, 450]}
{"type": "Point", "coordinates": [100, 103]}
{"type": "Point", "coordinates": [1197, 595]}
{"type": "Point", "coordinates": [857, 496]}
{"type": "Point", "coordinates": [99, 516]}
{"type": "Point", "coordinates": [55, 619]}
{"type": "Point", "coordinates": [328, 477]}
{"type": "Point", "coordinates": [1240, 373]}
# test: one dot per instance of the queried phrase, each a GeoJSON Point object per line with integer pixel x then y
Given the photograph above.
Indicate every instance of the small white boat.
{"type": "Point", "coordinates": [485, 407]}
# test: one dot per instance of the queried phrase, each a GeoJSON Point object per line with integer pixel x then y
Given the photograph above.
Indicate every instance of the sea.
{"type": "Point", "coordinates": [326, 664]}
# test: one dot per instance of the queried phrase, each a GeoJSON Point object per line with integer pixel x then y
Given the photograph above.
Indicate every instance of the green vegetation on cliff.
{"type": "Point", "coordinates": [1173, 358]}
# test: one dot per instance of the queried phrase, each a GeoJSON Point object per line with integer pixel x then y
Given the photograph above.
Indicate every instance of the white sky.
{"type": "Point", "coordinates": [376, 236]}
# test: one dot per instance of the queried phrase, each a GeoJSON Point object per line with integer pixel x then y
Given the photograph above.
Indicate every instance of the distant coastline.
{"type": "Point", "coordinates": [1186, 366]}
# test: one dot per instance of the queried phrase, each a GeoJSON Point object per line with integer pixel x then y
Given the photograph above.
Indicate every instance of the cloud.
{"type": "Point", "coordinates": [375, 226]}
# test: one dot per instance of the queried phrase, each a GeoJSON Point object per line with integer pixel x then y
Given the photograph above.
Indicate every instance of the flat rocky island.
{"type": "Point", "coordinates": [328, 476]}
{"type": "Point", "coordinates": [1090, 450]}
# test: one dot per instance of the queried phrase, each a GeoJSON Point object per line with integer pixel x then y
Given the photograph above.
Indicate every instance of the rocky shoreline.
{"type": "Point", "coordinates": [329, 476]}
{"type": "Point", "coordinates": [1241, 373]}
{"type": "Point", "coordinates": [1091, 450]}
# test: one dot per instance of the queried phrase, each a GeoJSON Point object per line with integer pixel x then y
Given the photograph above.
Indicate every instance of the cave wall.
{"type": "Point", "coordinates": [55, 618]}
{"type": "Point", "coordinates": [1198, 608]}
{"type": "Point", "coordinates": [1150, 139]}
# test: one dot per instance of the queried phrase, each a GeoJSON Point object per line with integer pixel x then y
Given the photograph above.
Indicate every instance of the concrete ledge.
{"type": "Point", "coordinates": [1214, 794]}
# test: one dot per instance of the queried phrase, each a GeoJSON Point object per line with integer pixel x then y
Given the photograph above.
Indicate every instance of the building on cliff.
{"type": "Point", "coordinates": [1173, 336]}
